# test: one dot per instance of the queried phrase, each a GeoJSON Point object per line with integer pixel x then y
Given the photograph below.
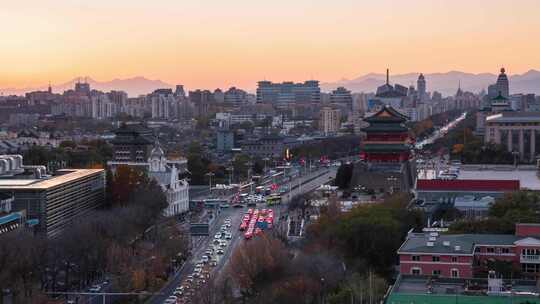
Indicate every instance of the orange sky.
{"type": "Point", "coordinates": [216, 43]}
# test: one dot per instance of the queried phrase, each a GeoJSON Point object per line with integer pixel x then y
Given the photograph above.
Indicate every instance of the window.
{"type": "Point", "coordinates": [415, 271]}
{"type": "Point", "coordinates": [435, 258]}
{"type": "Point", "coordinates": [490, 250]}
{"type": "Point", "coordinates": [454, 273]}
{"type": "Point", "coordinates": [454, 259]}
{"type": "Point", "coordinates": [505, 250]}
{"type": "Point", "coordinates": [477, 249]}
{"type": "Point", "coordinates": [416, 258]}
{"type": "Point", "coordinates": [436, 272]}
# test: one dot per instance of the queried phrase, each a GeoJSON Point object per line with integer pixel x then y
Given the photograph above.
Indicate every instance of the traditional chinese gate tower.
{"type": "Point", "coordinates": [386, 151]}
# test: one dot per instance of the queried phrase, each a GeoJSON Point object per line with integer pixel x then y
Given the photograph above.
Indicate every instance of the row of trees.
{"type": "Point", "coordinates": [332, 148]}
{"type": "Point", "coordinates": [424, 128]}
{"type": "Point", "coordinates": [123, 242]}
{"type": "Point", "coordinates": [93, 153]}
{"type": "Point", "coordinates": [199, 165]}
{"type": "Point", "coordinates": [516, 207]}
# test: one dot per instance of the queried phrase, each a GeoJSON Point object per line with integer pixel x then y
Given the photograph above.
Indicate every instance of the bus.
{"type": "Point", "coordinates": [216, 202]}
{"type": "Point", "coordinates": [273, 200]}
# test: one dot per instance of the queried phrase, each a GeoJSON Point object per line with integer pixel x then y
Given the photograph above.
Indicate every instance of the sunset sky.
{"type": "Point", "coordinates": [219, 43]}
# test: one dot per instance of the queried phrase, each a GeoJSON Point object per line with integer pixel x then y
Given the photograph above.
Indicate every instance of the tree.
{"type": "Point", "coordinates": [240, 165]}
{"type": "Point", "coordinates": [344, 176]}
{"type": "Point", "coordinates": [197, 164]}
{"type": "Point", "coordinates": [257, 262]}
{"type": "Point", "coordinates": [125, 180]}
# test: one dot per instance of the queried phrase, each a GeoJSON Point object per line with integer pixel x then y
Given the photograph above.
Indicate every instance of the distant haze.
{"type": "Point", "coordinates": [212, 43]}
{"type": "Point", "coordinates": [446, 83]}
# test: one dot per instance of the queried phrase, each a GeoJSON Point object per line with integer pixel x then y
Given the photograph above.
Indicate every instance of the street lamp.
{"type": "Point", "coordinates": [250, 165]}
{"type": "Point", "coordinates": [210, 175]}
{"type": "Point", "coordinates": [266, 159]}
{"type": "Point", "coordinates": [515, 154]}
{"type": "Point", "coordinates": [231, 173]}
{"type": "Point", "coordinates": [392, 180]}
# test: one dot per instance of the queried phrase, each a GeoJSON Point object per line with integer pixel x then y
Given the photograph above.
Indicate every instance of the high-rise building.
{"type": "Point", "coordinates": [329, 120]}
{"type": "Point", "coordinates": [234, 95]}
{"type": "Point", "coordinates": [82, 88]}
{"type": "Point", "coordinates": [225, 140]}
{"type": "Point", "coordinates": [288, 92]}
{"type": "Point", "coordinates": [179, 92]}
{"type": "Point", "coordinates": [102, 107]}
{"type": "Point", "coordinates": [164, 104]}
{"type": "Point", "coordinates": [503, 86]}
{"type": "Point", "coordinates": [391, 95]}
{"type": "Point", "coordinates": [341, 95]}
{"type": "Point", "coordinates": [421, 86]}
{"type": "Point", "coordinates": [201, 100]}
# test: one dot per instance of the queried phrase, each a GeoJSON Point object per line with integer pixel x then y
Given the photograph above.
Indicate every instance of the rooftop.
{"type": "Point", "coordinates": [15, 216]}
{"type": "Point", "coordinates": [527, 178]}
{"type": "Point", "coordinates": [63, 176]}
{"type": "Point", "coordinates": [468, 185]}
{"type": "Point", "coordinates": [453, 243]}
{"type": "Point", "coordinates": [509, 117]}
{"type": "Point", "coordinates": [422, 289]}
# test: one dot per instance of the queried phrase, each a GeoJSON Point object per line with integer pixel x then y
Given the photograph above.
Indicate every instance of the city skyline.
{"type": "Point", "coordinates": [205, 44]}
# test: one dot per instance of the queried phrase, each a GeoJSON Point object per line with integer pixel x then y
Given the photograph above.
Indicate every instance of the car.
{"type": "Point", "coordinates": [95, 288]}
{"type": "Point", "coordinates": [228, 236]}
{"type": "Point", "coordinates": [169, 301]}
{"type": "Point", "coordinates": [209, 251]}
{"type": "Point", "coordinates": [205, 259]}
{"type": "Point", "coordinates": [199, 265]}
{"type": "Point", "coordinates": [213, 263]}
{"type": "Point", "coordinates": [220, 251]}
{"type": "Point", "coordinates": [178, 293]}
{"type": "Point", "coordinates": [197, 269]}
{"type": "Point", "coordinates": [217, 236]}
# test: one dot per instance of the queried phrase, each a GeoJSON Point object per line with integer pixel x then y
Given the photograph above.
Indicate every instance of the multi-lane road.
{"type": "Point", "coordinates": [298, 185]}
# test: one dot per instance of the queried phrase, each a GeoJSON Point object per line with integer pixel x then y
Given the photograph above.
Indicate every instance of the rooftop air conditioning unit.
{"type": "Point", "coordinates": [457, 248]}
{"type": "Point", "coordinates": [432, 239]}
{"type": "Point", "coordinates": [434, 234]}
{"type": "Point", "coordinates": [446, 243]}
{"type": "Point", "coordinates": [430, 244]}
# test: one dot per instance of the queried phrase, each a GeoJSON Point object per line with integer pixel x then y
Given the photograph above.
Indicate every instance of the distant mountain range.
{"type": "Point", "coordinates": [445, 83]}
{"type": "Point", "coordinates": [133, 86]}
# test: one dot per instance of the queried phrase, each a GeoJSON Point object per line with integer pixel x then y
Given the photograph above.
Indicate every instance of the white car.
{"type": "Point", "coordinates": [205, 259]}
{"type": "Point", "coordinates": [228, 236]}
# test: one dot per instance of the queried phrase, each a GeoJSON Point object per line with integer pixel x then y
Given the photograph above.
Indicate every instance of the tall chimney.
{"type": "Point", "coordinates": [387, 76]}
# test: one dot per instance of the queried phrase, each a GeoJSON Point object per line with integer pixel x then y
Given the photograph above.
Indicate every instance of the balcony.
{"type": "Point", "coordinates": [528, 258]}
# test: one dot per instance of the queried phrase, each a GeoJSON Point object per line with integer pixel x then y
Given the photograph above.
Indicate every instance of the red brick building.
{"type": "Point", "coordinates": [462, 255]}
